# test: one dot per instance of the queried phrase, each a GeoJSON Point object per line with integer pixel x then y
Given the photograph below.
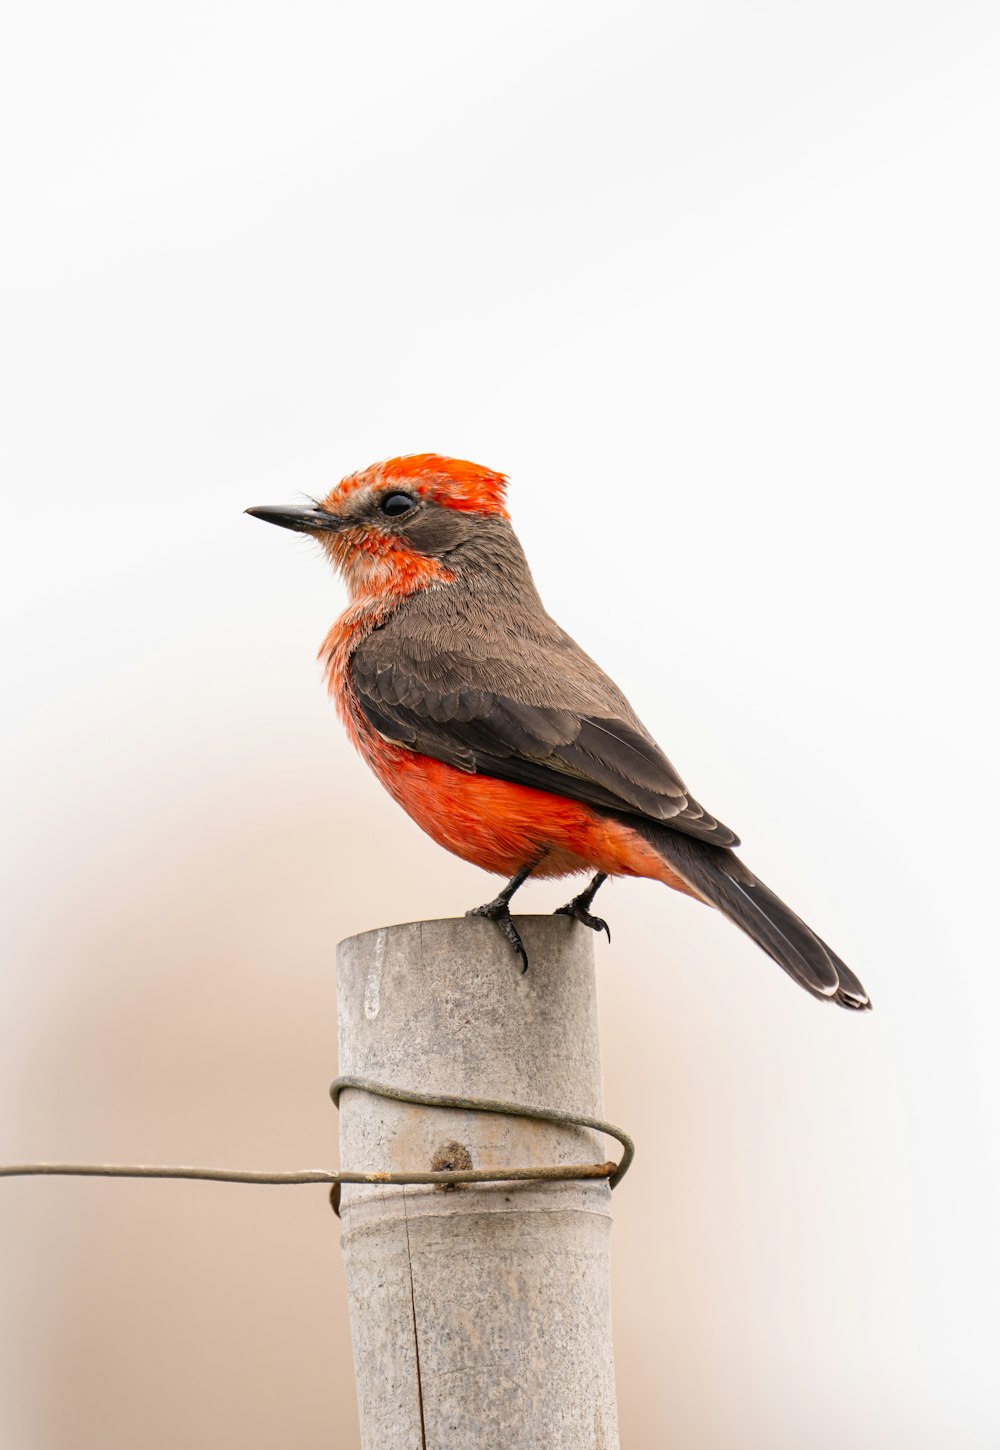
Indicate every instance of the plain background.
{"type": "Point", "coordinates": [717, 286]}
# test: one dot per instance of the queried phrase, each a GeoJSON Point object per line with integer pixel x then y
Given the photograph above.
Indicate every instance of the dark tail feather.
{"type": "Point", "coordinates": [725, 882]}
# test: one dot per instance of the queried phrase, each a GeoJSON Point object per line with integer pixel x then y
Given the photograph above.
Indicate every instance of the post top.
{"type": "Point", "coordinates": [550, 926]}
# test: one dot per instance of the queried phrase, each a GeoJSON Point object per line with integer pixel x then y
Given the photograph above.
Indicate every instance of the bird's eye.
{"type": "Point", "coordinates": [395, 504]}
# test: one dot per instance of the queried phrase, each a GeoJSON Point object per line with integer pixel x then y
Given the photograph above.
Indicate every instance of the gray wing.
{"type": "Point", "coordinates": [543, 715]}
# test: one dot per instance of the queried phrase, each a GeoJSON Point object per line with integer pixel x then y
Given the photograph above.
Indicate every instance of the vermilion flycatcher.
{"type": "Point", "coordinates": [494, 730]}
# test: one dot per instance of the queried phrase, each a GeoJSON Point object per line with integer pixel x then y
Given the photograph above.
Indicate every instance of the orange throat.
{"type": "Point", "coordinates": [379, 581]}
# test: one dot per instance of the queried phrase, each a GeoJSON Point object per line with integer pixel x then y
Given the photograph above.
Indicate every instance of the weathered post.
{"type": "Point", "coordinates": [480, 1314]}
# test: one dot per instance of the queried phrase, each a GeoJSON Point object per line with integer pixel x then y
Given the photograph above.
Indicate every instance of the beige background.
{"type": "Point", "coordinates": [717, 286]}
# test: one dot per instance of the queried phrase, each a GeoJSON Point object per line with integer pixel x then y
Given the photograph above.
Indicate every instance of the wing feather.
{"type": "Point", "coordinates": [573, 743]}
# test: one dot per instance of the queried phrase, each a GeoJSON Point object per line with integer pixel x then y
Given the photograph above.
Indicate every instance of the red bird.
{"type": "Point", "coordinates": [492, 728]}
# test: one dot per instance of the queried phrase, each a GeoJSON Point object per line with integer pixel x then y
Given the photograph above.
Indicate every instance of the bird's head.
{"type": "Point", "coordinates": [393, 525]}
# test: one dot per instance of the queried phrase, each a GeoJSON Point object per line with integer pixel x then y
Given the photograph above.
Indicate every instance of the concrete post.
{"type": "Point", "coordinates": [480, 1315]}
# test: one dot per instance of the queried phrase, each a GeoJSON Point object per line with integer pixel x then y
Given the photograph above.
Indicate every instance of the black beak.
{"type": "Point", "coordinates": [307, 519]}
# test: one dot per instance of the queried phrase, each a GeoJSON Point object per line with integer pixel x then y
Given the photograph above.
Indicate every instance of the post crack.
{"type": "Point", "coordinates": [416, 1338]}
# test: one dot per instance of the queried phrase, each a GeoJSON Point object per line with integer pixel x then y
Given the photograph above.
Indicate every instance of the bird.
{"type": "Point", "coordinates": [493, 729]}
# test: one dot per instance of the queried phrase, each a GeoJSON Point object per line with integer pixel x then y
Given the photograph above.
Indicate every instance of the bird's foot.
{"type": "Point", "coordinates": [579, 907]}
{"type": "Point", "coordinates": [580, 913]}
{"type": "Point", "coordinates": [498, 910]}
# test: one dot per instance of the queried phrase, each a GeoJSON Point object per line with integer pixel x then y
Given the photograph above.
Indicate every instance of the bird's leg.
{"type": "Point", "coordinates": [579, 907]}
{"type": "Point", "coordinates": [498, 910]}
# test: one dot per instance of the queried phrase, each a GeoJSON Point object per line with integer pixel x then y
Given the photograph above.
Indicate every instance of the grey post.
{"type": "Point", "coordinates": [480, 1315]}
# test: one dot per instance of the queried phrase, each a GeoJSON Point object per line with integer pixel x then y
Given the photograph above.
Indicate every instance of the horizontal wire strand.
{"type": "Point", "coordinates": [567, 1172]}
{"type": "Point", "coordinates": [443, 1178]}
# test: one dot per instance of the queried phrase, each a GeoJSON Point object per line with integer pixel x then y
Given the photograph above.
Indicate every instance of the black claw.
{"type": "Point", "coordinates": [498, 910]}
{"type": "Point", "coordinates": [579, 907]}
{"type": "Point", "coordinates": [580, 913]}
